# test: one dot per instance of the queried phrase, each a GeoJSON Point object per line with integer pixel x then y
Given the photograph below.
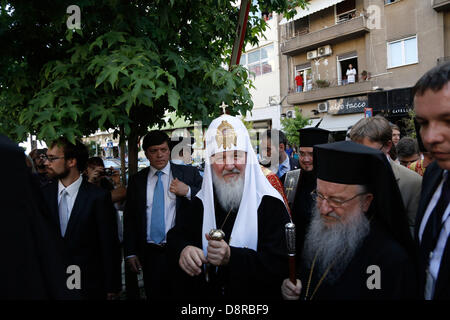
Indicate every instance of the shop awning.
{"type": "Point", "coordinates": [313, 6]}
{"type": "Point", "coordinates": [340, 122]}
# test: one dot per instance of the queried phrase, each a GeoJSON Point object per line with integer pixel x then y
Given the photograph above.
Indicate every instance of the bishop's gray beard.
{"type": "Point", "coordinates": [335, 245]}
{"type": "Point", "coordinates": [229, 194]}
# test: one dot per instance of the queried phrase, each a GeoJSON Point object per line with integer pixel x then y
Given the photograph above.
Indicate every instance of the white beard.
{"type": "Point", "coordinates": [229, 194]}
{"type": "Point", "coordinates": [336, 245]}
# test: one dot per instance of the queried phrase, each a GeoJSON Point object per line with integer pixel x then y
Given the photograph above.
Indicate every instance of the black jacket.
{"type": "Point", "coordinates": [135, 214]}
{"type": "Point", "coordinates": [91, 240]}
{"type": "Point", "coordinates": [430, 182]}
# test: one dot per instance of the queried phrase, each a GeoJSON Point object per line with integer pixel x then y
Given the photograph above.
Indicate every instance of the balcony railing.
{"type": "Point", "coordinates": [311, 85]}
{"type": "Point", "coordinates": [347, 29]}
{"type": "Point", "coordinates": [329, 89]}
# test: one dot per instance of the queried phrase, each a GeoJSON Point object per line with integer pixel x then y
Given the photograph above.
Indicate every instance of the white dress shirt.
{"type": "Point", "coordinates": [284, 167]}
{"type": "Point", "coordinates": [72, 191]}
{"type": "Point", "coordinates": [169, 198]}
{"type": "Point", "coordinates": [436, 255]}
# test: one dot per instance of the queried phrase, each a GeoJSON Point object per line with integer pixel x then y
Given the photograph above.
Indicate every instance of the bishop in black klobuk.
{"type": "Point", "coordinates": [358, 245]}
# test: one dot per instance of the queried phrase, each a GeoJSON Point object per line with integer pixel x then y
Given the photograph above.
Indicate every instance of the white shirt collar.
{"type": "Point", "coordinates": [72, 188]}
{"type": "Point", "coordinates": [286, 163]}
{"type": "Point", "coordinates": [165, 170]}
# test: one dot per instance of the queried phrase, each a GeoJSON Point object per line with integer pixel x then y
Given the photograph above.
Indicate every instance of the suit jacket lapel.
{"type": "Point", "coordinates": [428, 190]}
{"type": "Point", "coordinates": [142, 194]}
{"type": "Point", "coordinates": [78, 207]}
{"type": "Point", "coordinates": [177, 173]}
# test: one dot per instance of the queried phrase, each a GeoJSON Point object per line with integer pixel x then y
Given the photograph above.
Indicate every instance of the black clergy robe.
{"type": "Point", "coordinates": [398, 277]}
{"type": "Point", "coordinates": [249, 274]}
{"type": "Point", "coordinates": [303, 207]}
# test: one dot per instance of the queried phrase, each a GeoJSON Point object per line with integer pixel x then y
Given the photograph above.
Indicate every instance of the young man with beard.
{"type": "Point", "coordinates": [250, 259]}
{"type": "Point", "coordinates": [84, 216]}
{"type": "Point", "coordinates": [358, 245]}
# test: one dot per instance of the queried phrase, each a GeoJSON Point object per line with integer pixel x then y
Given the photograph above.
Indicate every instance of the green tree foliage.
{"type": "Point", "coordinates": [130, 62]}
{"type": "Point", "coordinates": [292, 125]}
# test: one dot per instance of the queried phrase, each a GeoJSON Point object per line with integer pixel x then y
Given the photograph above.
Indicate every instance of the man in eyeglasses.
{"type": "Point", "coordinates": [376, 132]}
{"type": "Point", "coordinates": [85, 218]}
{"type": "Point", "coordinates": [38, 156]}
{"type": "Point", "coordinates": [358, 245]}
{"type": "Point", "coordinates": [301, 182]}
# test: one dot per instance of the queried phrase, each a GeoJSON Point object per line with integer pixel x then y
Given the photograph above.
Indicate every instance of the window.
{"type": "Point", "coordinates": [259, 61]}
{"type": "Point", "coordinates": [390, 1]}
{"type": "Point", "coordinates": [345, 11]}
{"type": "Point", "coordinates": [402, 52]}
{"type": "Point", "coordinates": [295, 28]}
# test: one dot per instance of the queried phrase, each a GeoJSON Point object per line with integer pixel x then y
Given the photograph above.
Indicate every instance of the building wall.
{"type": "Point", "coordinates": [267, 85]}
{"type": "Point", "coordinates": [398, 20]}
{"type": "Point", "coordinates": [446, 34]}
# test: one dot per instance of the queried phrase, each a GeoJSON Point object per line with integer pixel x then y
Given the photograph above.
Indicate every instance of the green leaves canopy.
{"type": "Point", "coordinates": [130, 63]}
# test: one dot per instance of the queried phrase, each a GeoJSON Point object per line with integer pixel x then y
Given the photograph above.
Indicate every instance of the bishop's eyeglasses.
{"type": "Point", "coordinates": [333, 202]}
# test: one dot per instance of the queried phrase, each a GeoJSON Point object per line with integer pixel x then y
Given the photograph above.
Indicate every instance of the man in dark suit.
{"type": "Point", "coordinates": [274, 150]}
{"type": "Point", "coordinates": [154, 196]}
{"type": "Point", "coordinates": [432, 107]}
{"type": "Point", "coordinates": [33, 266]}
{"type": "Point", "coordinates": [85, 217]}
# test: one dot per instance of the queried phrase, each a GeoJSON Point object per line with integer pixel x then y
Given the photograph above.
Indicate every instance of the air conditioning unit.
{"type": "Point", "coordinates": [274, 100]}
{"type": "Point", "coordinates": [322, 107]}
{"type": "Point", "coordinates": [290, 114]}
{"type": "Point", "coordinates": [324, 51]}
{"type": "Point", "coordinates": [311, 55]}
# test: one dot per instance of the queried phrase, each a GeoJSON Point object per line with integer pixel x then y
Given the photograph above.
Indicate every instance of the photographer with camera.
{"type": "Point", "coordinates": [106, 178]}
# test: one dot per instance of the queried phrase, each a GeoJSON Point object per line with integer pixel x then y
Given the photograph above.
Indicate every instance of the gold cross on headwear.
{"type": "Point", "coordinates": [224, 107]}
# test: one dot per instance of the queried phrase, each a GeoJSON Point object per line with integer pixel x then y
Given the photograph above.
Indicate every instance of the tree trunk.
{"type": "Point", "coordinates": [122, 147]}
{"type": "Point", "coordinates": [133, 150]}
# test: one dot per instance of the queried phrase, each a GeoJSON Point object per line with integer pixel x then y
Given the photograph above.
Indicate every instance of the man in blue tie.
{"type": "Point", "coordinates": [276, 151]}
{"type": "Point", "coordinates": [154, 196]}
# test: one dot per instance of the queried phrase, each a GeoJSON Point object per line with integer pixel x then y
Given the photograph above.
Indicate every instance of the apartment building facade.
{"type": "Point", "coordinates": [263, 62]}
{"type": "Point", "coordinates": [390, 43]}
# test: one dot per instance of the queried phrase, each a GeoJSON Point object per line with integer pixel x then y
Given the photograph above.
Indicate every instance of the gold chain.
{"type": "Point", "coordinates": [321, 279]}
{"type": "Point", "coordinates": [221, 228]}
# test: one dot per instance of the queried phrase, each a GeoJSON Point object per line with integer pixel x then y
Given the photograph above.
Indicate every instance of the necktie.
{"type": "Point", "coordinates": [281, 170]}
{"type": "Point", "coordinates": [157, 227]}
{"type": "Point", "coordinates": [63, 212]}
{"type": "Point", "coordinates": [434, 224]}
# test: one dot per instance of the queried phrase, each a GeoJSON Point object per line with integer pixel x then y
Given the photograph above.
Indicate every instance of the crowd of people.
{"type": "Point", "coordinates": [368, 225]}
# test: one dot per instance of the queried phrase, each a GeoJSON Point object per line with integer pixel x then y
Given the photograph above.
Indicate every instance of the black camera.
{"type": "Point", "coordinates": [109, 172]}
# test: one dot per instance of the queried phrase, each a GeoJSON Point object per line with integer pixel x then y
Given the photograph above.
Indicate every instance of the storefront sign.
{"type": "Point", "coordinates": [401, 110]}
{"type": "Point", "coordinates": [347, 105]}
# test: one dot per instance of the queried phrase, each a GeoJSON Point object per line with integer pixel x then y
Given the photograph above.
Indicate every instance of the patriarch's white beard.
{"type": "Point", "coordinates": [229, 194]}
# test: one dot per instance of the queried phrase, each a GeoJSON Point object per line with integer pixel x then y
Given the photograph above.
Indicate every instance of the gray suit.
{"type": "Point", "coordinates": [410, 185]}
